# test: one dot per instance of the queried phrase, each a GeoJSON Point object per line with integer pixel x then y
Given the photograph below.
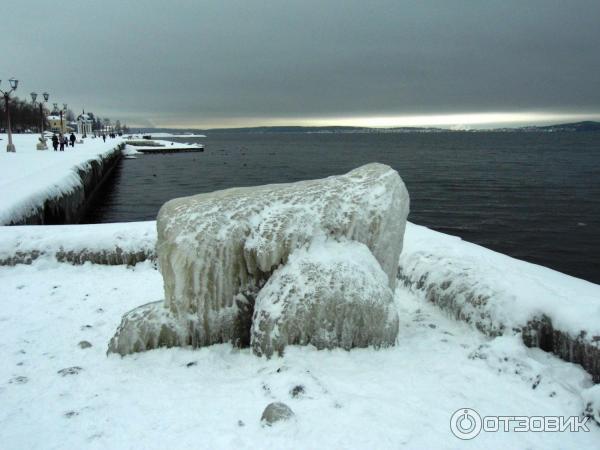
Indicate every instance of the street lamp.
{"type": "Point", "coordinates": [13, 84]}
{"type": "Point", "coordinates": [42, 144]}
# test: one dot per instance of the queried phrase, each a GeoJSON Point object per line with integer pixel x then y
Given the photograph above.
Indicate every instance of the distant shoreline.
{"type": "Point", "coordinates": [587, 126]}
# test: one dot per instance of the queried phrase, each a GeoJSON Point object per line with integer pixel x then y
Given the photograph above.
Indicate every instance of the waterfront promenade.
{"type": "Point", "coordinates": [30, 177]}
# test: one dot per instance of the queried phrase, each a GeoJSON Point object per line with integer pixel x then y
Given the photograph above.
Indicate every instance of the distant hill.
{"type": "Point", "coordinates": [294, 129]}
{"type": "Point", "coordinates": [577, 126]}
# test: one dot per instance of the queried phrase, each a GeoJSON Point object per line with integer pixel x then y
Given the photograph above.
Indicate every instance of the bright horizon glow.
{"type": "Point", "coordinates": [452, 121]}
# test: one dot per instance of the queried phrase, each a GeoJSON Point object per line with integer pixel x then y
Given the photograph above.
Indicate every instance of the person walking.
{"type": "Point", "coordinates": [55, 142]}
{"type": "Point", "coordinates": [104, 137]}
{"type": "Point", "coordinates": [61, 141]}
{"type": "Point", "coordinates": [72, 139]}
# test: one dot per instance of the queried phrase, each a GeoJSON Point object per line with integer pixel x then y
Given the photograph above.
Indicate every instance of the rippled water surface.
{"type": "Point", "coordinates": [532, 196]}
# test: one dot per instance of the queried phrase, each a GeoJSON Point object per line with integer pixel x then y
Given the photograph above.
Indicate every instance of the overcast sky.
{"type": "Point", "coordinates": [236, 63]}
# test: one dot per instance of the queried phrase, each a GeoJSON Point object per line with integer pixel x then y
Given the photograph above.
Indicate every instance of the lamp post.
{"type": "Point", "coordinates": [42, 144]}
{"type": "Point", "coordinates": [13, 85]}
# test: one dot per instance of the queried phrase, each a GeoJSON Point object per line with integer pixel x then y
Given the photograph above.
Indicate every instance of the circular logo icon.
{"type": "Point", "coordinates": [465, 423]}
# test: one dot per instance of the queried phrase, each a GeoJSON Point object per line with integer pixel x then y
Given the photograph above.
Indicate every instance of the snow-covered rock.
{"type": "Point", "coordinates": [276, 412]}
{"type": "Point", "coordinates": [217, 250]}
{"type": "Point", "coordinates": [328, 295]}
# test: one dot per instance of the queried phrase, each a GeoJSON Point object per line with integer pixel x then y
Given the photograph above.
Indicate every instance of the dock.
{"type": "Point", "coordinates": [170, 150]}
{"type": "Point", "coordinates": [162, 146]}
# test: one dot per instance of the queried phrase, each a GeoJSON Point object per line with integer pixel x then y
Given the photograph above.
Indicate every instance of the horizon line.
{"type": "Point", "coordinates": [458, 121]}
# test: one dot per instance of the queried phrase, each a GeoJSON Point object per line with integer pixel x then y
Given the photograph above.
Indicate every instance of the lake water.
{"type": "Point", "coordinates": [534, 196]}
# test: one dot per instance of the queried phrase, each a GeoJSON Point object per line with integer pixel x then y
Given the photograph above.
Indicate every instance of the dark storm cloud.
{"type": "Point", "coordinates": [197, 62]}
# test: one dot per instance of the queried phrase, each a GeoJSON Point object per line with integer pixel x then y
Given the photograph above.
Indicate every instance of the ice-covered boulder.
{"type": "Point", "coordinates": [146, 327]}
{"type": "Point", "coordinates": [217, 250]}
{"type": "Point", "coordinates": [331, 294]}
{"type": "Point", "coordinates": [276, 412]}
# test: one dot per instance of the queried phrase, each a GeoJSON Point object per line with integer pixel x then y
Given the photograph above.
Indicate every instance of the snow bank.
{"type": "Point", "coordinates": [114, 243]}
{"type": "Point", "coordinates": [213, 248]}
{"type": "Point", "coordinates": [498, 294]}
{"type": "Point", "coordinates": [328, 295]}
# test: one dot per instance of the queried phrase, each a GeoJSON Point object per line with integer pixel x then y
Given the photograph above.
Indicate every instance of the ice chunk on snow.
{"type": "Point", "coordinates": [328, 295]}
{"type": "Point", "coordinates": [217, 250]}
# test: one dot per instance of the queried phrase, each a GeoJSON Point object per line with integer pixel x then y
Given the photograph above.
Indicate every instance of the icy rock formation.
{"type": "Point", "coordinates": [328, 295]}
{"type": "Point", "coordinates": [217, 250]}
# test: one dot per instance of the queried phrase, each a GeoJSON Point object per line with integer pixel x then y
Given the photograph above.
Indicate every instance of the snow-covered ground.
{"type": "Point", "coordinates": [213, 397]}
{"type": "Point", "coordinates": [29, 176]}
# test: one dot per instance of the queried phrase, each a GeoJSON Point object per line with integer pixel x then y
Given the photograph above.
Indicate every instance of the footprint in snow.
{"type": "Point", "coordinates": [70, 371]}
{"type": "Point", "coordinates": [18, 380]}
{"type": "Point", "coordinates": [267, 390]}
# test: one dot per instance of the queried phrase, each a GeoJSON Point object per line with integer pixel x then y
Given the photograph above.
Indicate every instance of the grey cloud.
{"type": "Point", "coordinates": [205, 60]}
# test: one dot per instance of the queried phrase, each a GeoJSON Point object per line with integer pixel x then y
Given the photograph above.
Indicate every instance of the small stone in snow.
{"type": "Point", "coordinates": [84, 344]}
{"type": "Point", "coordinates": [298, 391]}
{"type": "Point", "coordinates": [191, 363]}
{"type": "Point", "coordinates": [70, 371]}
{"type": "Point", "coordinates": [275, 412]}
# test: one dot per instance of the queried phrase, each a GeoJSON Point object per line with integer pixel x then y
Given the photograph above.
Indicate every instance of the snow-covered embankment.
{"type": "Point", "coordinates": [493, 292]}
{"type": "Point", "coordinates": [47, 187]}
{"type": "Point", "coordinates": [501, 295]}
